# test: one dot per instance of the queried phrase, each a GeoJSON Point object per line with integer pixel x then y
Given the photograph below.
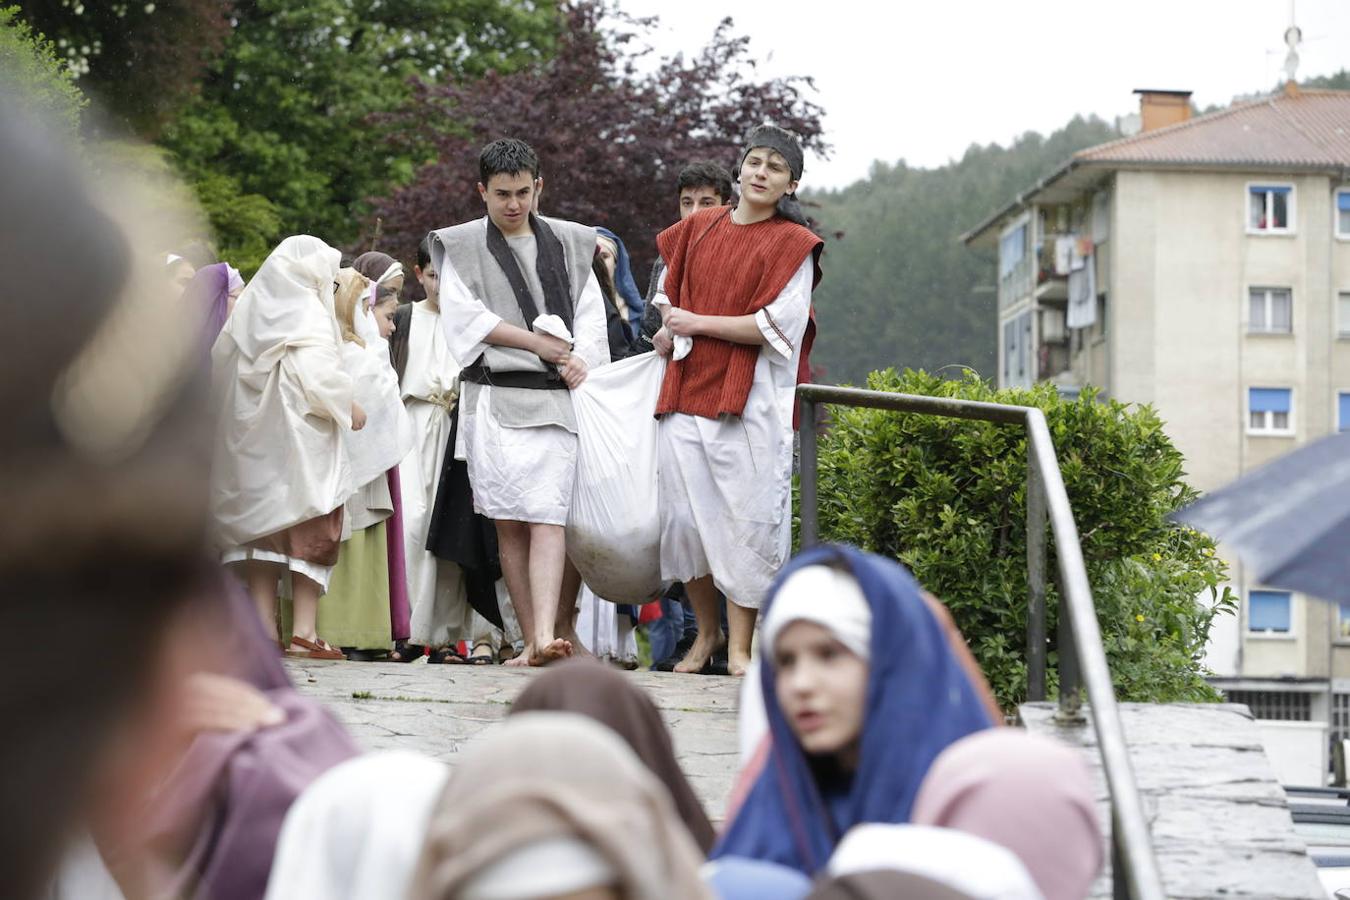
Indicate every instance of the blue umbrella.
{"type": "Point", "coordinates": [1289, 520]}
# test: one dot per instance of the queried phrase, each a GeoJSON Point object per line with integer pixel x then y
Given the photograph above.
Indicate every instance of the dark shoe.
{"type": "Point", "coordinates": [681, 649]}
{"type": "Point", "coordinates": [445, 656]}
{"type": "Point", "coordinates": [355, 654]}
{"type": "Point", "coordinates": [405, 652]}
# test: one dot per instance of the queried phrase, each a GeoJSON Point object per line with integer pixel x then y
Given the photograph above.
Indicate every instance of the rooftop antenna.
{"type": "Point", "coordinates": [1293, 37]}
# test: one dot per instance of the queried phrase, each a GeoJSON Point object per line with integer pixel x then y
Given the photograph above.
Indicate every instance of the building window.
{"type": "Point", "coordinates": [1012, 249]}
{"type": "Point", "coordinates": [1343, 413]}
{"type": "Point", "coordinates": [1270, 410]}
{"type": "Point", "coordinates": [1343, 620]}
{"type": "Point", "coordinates": [1343, 214]}
{"type": "Point", "coordinates": [1269, 612]}
{"type": "Point", "coordinates": [1343, 314]}
{"type": "Point", "coordinates": [1270, 208]}
{"type": "Point", "coordinates": [1270, 311]}
{"type": "Point", "coordinates": [1280, 706]}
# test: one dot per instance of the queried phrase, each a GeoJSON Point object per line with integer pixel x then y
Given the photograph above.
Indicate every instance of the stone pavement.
{"type": "Point", "coordinates": [438, 710]}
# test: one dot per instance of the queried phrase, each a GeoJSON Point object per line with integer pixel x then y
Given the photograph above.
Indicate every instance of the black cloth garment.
{"type": "Point", "coordinates": [621, 342]}
{"type": "Point", "coordinates": [455, 532]}
{"type": "Point", "coordinates": [550, 265]}
{"type": "Point", "coordinates": [459, 535]}
{"type": "Point", "coordinates": [651, 316]}
{"type": "Point", "coordinates": [398, 341]}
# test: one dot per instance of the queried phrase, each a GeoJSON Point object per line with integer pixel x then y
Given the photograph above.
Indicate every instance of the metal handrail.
{"type": "Point", "coordinates": [1081, 656]}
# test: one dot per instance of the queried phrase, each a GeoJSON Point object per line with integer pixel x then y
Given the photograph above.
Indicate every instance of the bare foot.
{"type": "Point", "coordinates": [737, 663]}
{"type": "Point", "coordinates": [700, 653]}
{"type": "Point", "coordinates": [521, 660]}
{"type": "Point", "coordinates": [553, 651]}
{"type": "Point", "coordinates": [578, 648]}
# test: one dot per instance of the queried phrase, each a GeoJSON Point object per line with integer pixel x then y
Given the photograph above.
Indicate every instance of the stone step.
{"type": "Point", "coordinates": [438, 710]}
{"type": "Point", "coordinates": [1220, 821]}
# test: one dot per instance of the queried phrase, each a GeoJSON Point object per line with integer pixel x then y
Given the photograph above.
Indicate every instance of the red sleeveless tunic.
{"type": "Point", "coordinates": [716, 267]}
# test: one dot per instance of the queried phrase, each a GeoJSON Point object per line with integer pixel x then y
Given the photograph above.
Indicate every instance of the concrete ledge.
{"type": "Point", "coordinates": [1220, 821]}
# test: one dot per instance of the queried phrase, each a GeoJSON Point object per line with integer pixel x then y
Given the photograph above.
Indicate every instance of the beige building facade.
{"type": "Point", "coordinates": [1203, 267]}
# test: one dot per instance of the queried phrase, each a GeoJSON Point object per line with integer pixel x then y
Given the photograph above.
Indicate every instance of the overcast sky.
{"type": "Point", "coordinates": [921, 81]}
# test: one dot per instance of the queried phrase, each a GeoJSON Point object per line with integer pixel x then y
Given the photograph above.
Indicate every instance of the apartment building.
{"type": "Point", "coordinates": [1202, 266]}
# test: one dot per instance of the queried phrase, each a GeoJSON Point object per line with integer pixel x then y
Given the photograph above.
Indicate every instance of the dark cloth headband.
{"type": "Point", "coordinates": [779, 139]}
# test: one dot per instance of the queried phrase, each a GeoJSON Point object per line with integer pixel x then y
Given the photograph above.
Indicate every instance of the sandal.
{"type": "Point", "coordinates": [481, 659]}
{"type": "Point", "coordinates": [313, 649]}
{"type": "Point", "coordinates": [445, 656]}
{"type": "Point", "coordinates": [507, 652]}
{"type": "Point", "coordinates": [405, 652]}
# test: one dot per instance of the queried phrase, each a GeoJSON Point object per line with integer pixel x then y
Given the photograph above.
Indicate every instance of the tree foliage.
{"type": "Point", "coordinates": [140, 60]}
{"type": "Point", "coordinates": [283, 136]}
{"type": "Point", "coordinates": [611, 138]}
{"type": "Point", "coordinates": [900, 289]}
{"type": "Point", "coordinates": [34, 75]}
{"type": "Point", "coordinates": [948, 498]}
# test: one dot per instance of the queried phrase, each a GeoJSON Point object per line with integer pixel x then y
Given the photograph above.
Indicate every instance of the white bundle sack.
{"type": "Point", "coordinates": [614, 526]}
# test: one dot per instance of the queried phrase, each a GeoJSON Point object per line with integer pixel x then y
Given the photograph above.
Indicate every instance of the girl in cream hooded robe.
{"type": "Point", "coordinates": [281, 473]}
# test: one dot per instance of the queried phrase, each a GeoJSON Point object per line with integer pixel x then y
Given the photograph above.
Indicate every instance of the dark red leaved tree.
{"type": "Point", "coordinates": [611, 137]}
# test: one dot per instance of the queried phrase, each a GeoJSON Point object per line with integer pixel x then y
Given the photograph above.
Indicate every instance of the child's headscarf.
{"type": "Point", "coordinates": [380, 268]}
{"type": "Point", "coordinates": [551, 802]}
{"type": "Point", "coordinates": [919, 700]}
{"type": "Point", "coordinates": [623, 280]}
{"type": "Point", "coordinates": [598, 691]}
{"type": "Point", "coordinates": [209, 293]}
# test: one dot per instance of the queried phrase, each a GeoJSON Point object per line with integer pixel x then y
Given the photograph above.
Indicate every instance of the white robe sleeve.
{"type": "Point", "coordinates": [659, 299]}
{"type": "Point", "coordinates": [589, 331]}
{"type": "Point", "coordinates": [465, 321]}
{"type": "Point", "coordinates": [783, 321]}
{"type": "Point", "coordinates": [327, 387]}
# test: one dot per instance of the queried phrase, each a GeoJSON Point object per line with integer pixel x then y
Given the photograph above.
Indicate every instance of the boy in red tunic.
{"type": "Point", "coordinates": [736, 301]}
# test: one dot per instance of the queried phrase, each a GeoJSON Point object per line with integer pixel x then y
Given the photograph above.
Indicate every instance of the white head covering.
{"type": "Point", "coordinates": [961, 861]}
{"type": "Point", "coordinates": [357, 830]}
{"type": "Point", "coordinates": [289, 302]}
{"type": "Point", "coordinates": [395, 270]}
{"type": "Point", "coordinates": [827, 597]}
{"type": "Point", "coordinates": [547, 868]}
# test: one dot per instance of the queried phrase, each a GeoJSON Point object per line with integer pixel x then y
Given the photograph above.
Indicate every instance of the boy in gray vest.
{"type": "Point", "coordinates": [524, 313]}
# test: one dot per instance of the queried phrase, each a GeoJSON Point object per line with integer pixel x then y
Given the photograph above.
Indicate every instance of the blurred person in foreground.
{"type": "Point", "coordinates": [555, 805]}
{"type": "Point", "coordinates": [136, 765]}
{"type": "Point", "coordinates": [104, 537]}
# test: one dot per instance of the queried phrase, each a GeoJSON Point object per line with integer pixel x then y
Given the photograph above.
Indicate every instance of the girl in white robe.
{"type": "Point", "coordinates": [441, 615]}
{"type": "Point", "coordinates": [355, 612]}
{"type": "Point", "coordinates": [281, 474]}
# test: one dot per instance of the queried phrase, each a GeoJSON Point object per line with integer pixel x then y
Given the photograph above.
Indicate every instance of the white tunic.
{"type": "Point", "coordinates": [726, 483]}
{"type": "Point", "coordinates": [517, 474]}
{"type": "Point", "coordinates": [436, 592]}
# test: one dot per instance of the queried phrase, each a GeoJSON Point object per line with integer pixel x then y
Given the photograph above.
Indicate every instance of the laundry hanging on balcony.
{"type": "Point", "coordinates": [1063, 254]}
{"type": "Point", "coordinates": [1082, 310]}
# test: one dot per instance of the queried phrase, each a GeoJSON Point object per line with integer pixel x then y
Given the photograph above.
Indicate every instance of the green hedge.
{"type": "Point", "coordinates": [948, 498]}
